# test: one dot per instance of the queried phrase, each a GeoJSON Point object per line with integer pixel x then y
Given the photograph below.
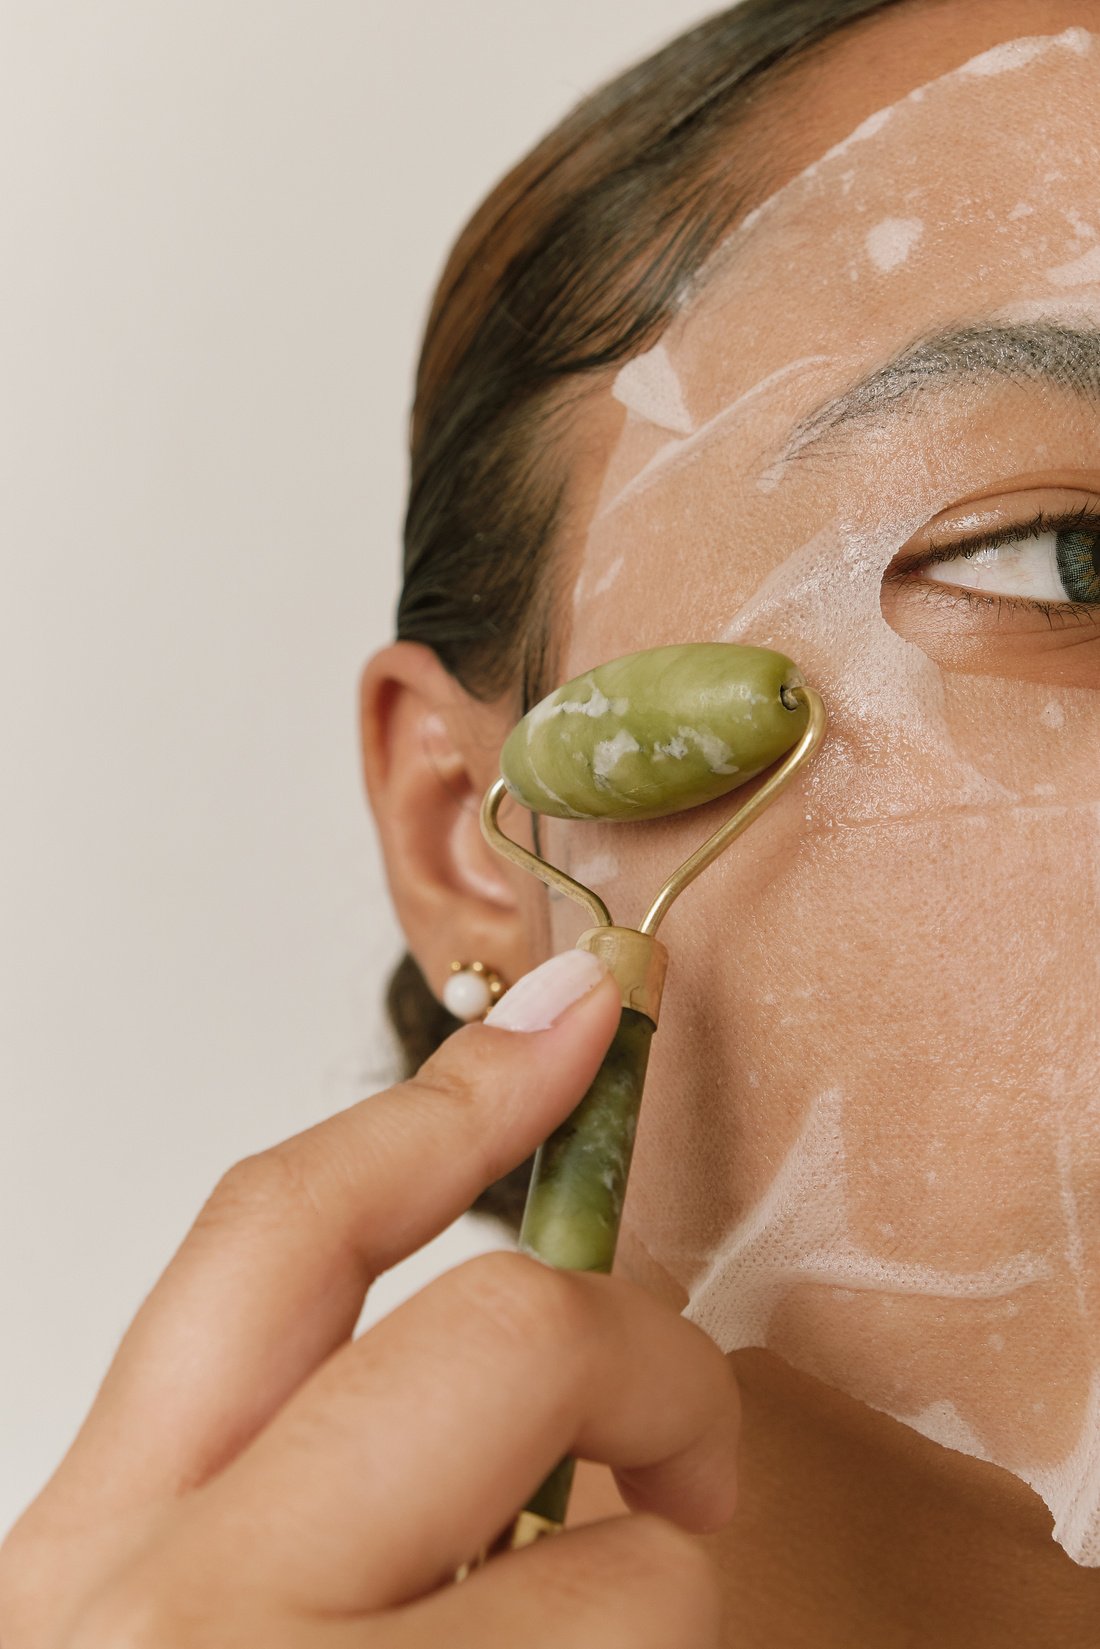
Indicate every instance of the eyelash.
{"type": "Point", "coordinates": [1086, 517]}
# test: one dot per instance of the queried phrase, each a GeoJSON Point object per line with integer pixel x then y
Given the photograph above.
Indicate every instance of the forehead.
{"type": "Point", "coordinates": [932, 207]}
{"type": "Point", "coordinates": [970, 199]}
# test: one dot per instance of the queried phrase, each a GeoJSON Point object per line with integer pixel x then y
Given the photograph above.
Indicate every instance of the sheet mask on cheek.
{"type": "Point", "coordinates": [871, 1135]}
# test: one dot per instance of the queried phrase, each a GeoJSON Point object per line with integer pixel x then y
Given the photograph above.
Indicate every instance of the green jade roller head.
{"type": "Point", "coordinates": [644, 736]}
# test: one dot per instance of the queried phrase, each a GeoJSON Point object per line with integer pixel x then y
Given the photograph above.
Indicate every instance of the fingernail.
{"type": "Point", "coordinates": [539, 999]}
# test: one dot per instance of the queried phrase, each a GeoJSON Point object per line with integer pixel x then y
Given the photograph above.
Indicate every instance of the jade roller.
{"type": "Point", "coordinates": [644, 736]}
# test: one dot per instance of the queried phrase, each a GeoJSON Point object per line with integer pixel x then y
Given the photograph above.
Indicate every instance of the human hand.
{"type": "Point", "coordinates": [250, 1474]}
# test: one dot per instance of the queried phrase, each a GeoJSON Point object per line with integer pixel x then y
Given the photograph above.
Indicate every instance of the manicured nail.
{"type": "Point", "coordinates": [540, 998]}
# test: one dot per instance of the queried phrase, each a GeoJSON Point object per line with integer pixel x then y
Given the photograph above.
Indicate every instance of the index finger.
{"type": "Point", "coordinates": [273, 1273]}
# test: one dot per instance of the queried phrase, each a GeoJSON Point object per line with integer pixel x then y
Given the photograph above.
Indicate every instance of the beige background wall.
{"type": "Point", "coordinates": [221, 220]}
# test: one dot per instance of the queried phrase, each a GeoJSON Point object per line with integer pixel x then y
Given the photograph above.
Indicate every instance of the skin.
{"type": "Point", "coordinates": [249, 1474]}
{"type": "Point", "coordinates": [950, 1548]}
{"type": "Point", "coordinates": [300, 1488]}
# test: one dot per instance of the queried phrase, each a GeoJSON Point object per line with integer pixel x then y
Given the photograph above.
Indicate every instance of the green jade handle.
{"type": "Point", "coordinates": [578, 1185]}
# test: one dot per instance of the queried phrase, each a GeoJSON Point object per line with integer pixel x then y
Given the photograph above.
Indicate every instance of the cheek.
{"type": "Point", "coordinates": [873, 1096]}
{"type": "Point", "coordinates": [940, 975]}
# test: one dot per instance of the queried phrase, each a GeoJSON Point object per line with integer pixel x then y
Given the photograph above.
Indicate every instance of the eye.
{"type": "Point", "coordinates": [1051, 562]}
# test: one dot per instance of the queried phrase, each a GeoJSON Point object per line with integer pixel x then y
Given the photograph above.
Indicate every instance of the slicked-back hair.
{"type": "Point", "coordinates": [574, 262]}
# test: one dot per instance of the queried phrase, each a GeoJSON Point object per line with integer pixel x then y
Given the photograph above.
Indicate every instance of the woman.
{"type": "Point", "coordinates": [789, 336]}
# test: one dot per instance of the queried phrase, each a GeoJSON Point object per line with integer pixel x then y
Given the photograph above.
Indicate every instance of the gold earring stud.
{"type": "Point", "coordinates": [471, 990]}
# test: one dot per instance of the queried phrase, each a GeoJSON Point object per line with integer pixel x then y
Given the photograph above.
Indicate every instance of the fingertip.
{"type": "Point", "coordinates": [542, 998]}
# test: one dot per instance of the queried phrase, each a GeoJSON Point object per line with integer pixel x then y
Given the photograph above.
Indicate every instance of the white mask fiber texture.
{"type": "Point", "coordinates": [871, 1135]}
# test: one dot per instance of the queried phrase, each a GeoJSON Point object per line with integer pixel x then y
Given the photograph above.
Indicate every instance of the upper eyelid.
{"type": "Point", "coordinates": [946, 549]}
{"type": "Point", "coordinates": [908, 569]}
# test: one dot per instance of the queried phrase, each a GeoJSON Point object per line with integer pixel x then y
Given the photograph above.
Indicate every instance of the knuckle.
{"type": "Point", "coordinates": [522, 1302]}
{"type": "Point", "coordinates": [457, 1088]}
{"type": "Point", "coordinates": [443, 1077]}
{"type": "Point", "coordinates": [154, 1603]}
{"type": "Point", "coordinates": [461, 1089]}
{"type": "Point", "coordinates": [662, 1548]}
{"type": "Point", "coordinates": [41, 1567]}
{"type": "Point", "coordinates": [123, 1616]}
{"type": "Point", "coordinates": [674, 1583]}
{"type": "Point", "coordinates": [21, 1575]}
{"type": "Point", "coordinates": [263, 1185]}
{"type": "Point", "coordinates": [645, 1581]}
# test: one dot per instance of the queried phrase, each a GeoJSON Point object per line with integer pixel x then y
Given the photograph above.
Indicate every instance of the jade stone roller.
{"type": "Point", "coordinates": [644, 736]}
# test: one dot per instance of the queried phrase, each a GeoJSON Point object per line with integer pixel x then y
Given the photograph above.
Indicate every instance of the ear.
{"type": "Point", "coordinates": [429, 754]}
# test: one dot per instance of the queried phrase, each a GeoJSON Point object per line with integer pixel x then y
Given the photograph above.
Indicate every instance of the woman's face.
{"type": "Point", "coordinates": [871, 1133]}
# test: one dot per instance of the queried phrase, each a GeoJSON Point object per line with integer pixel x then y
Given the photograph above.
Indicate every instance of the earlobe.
{"type": "Point", "coordinates": [429, 752]}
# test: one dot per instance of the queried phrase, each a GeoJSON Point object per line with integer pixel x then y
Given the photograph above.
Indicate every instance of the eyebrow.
{"type": "Point", "coordinates": [1043, 351]}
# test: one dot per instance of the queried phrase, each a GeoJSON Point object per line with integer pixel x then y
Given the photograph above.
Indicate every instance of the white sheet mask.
{"type": "Point", "coordinates": [871, 1133]}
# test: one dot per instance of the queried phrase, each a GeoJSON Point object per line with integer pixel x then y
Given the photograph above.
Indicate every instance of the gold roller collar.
{"type": "Point", "coordinates": [638, 960]}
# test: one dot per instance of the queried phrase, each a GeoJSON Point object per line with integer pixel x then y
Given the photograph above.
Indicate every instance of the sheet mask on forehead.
{"type": "Point", "coordinates": [893, 1179]}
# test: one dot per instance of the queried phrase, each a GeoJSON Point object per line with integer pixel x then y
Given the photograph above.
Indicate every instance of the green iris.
{"type": "Point", "coordinates": [1077, 561]}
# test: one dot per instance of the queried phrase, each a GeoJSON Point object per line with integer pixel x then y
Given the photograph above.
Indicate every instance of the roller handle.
{"type": "Point", "coordinates": [571, 1220]}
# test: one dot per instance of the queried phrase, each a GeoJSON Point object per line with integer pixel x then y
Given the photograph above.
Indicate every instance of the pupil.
{"type": "Point", "coordinates": [1078, 558]}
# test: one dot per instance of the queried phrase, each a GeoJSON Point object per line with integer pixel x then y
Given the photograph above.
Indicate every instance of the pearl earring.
{"type": "Point", "coordinates": [471, 990]}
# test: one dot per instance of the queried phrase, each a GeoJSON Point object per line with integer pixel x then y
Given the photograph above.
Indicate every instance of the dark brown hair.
{"type": "Point", "coordinates": [572, 263]}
